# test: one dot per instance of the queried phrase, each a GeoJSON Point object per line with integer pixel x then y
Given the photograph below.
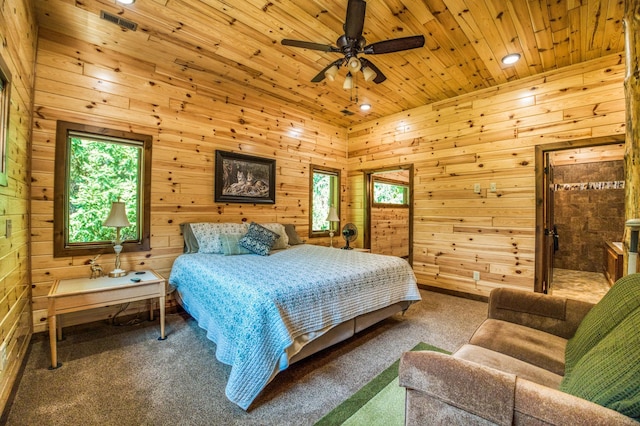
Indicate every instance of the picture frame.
{"type": "Point", "coordinates": [241, 178]}
{"type": "Point", "coordinates": [5, 105]}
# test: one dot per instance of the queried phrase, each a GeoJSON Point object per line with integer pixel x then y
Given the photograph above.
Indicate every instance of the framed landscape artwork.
{"type": "Point", "coordinates": [243, 178]}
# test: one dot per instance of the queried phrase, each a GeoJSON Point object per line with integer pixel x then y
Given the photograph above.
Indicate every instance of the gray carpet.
{"type": "Point", "coordinates": [124, 376]}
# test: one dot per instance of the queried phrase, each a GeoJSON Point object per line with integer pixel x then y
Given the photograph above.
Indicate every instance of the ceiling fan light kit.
{"type": "Point", "coordinates": [352, 43]}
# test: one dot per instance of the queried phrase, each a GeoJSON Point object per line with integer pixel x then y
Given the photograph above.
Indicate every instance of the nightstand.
{"type": "Point", "coordinates": [79, 294]}
{"type": "Point", "coordinates": [363, 250]}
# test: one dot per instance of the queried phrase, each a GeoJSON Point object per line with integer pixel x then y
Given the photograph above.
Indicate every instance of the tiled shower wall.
{"type": "Point", "coordinates": [586, 218]}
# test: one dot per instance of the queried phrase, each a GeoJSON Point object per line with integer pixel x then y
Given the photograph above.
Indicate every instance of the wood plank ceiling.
{"type": "Point", "coordinates": [231, 48]}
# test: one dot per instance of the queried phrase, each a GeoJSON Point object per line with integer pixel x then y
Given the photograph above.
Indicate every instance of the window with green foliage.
{"type": "Point", "coordinates": [5, 104]}
{"type": "Point", "coordinates": [390, 193]}
{"type": "Point", "coordinates": [95, 167]}
{"type": "Point", "coordinates": [325, 192]}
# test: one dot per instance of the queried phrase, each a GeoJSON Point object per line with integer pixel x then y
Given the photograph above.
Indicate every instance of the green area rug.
{"type": "Point", "coordinates": [379, 402]}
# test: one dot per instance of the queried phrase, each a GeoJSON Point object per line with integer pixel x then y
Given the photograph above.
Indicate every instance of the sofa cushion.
{"type": "Point", "coordinates": [536, 347]}
{"type": "Point", "coordinates": [609, 373]}
{"type": "Point", "coordinates": [622, 299]}
{"type": "Point", "coordinates": [508, 364]}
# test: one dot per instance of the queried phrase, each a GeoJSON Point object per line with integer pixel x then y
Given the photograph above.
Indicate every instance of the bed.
{"type": "Point", "coordinates": [266, 312]}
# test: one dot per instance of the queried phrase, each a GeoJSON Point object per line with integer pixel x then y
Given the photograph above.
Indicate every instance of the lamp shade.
{"type": "Point", "coordinates": [333, 215]}
{"type": "Point", "coordinates": [117, 216]}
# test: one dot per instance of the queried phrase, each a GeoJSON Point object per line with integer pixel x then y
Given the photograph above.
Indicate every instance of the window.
{"type": "Point", "coordinates": [390, 193]}
{"type": "Point", "coordinates": [95, 167]}
{"type": "Point", "coordinates": [5, 104]}
{"type": "Point", "coordinates": [325, 193]}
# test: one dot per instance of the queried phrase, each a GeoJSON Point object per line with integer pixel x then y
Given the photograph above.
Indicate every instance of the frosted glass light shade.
{"type": "Point", "coordinates": [330, 74]}
{"type": "Point", "coordinates": [348, 82]}
{"type": "Point", "coordinates": [117, 216]}
{"type": "Point", "coordinates": [354, 64]}
{"type": "Point", "coordinates": [368, 73]}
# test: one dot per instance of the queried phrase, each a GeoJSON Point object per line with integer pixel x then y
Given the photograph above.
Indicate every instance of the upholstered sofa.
{"type": "Point", "coordinates": [536, 359]}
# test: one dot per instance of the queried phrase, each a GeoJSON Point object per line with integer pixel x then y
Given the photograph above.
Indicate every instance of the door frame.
{"type": "Point", "coordinates": [541, 195]}
{"type": "Point", "coordinates": [368, 197]}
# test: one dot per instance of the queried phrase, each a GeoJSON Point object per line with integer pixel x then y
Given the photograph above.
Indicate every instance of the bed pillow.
{"type": "Point", "coordinates": [258, 239]}
{"type": "Point", "coordinates": [294, 239]}
{"type": "Point", "coordinates": [278, 228]}
{"type": "Point", "coordinates": [190, 241]}
{"type": "Point", "coordinates": [231, 246]}
{"type": "Point", "coordinates": [208, 234]}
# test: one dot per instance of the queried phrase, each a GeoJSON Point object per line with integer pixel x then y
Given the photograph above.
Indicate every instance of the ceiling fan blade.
{"type": "Point", "coordinates": [354, 22]}
{"type": "Point", "coordinates": [379, 76]}
{"type": "Point", "coordinates": [318, 78]}
{"type": "Point", "coordinates": [309, 45]}
{"type": "Point", "coordinates": [394, 45]}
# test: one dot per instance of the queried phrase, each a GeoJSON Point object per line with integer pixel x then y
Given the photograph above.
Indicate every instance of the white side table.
{"type": "Point", "coordinates": [79, 294]}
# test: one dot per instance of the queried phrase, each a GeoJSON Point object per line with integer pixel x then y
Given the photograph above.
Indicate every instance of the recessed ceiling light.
{"type": "Point", "coordinates": [511, 58]}
{"type": "Point", "coordinates": [126, 1]}
{"type": "Point", "coordinates": [365, 107]}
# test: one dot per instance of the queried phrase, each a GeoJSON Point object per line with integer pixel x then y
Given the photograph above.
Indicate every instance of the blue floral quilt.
{"type": "Point", "coordinates": [253, 307]}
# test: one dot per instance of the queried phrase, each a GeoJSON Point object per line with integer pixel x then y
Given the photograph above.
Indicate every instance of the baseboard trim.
{"type": "Point", "coordinates": [462, 294]}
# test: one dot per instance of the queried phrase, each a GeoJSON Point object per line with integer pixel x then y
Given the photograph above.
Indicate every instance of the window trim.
{"type": "Point", "coordinates": [61, 175]}
{"type": "Point", "coordinates": [5, 106]}
{"type": "Point", "coordinates": [390, 182]}
{"type": "Point", "coordinates": [335, 197]}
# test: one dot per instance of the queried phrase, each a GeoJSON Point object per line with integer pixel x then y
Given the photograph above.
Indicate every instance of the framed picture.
{"type": "Point", "coordinates": [244, 179]}
{"type": "Point", "coordinates": [5, 104]}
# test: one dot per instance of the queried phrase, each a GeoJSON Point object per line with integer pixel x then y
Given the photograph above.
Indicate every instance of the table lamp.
{"type": "Point", "coordinates": [117, 219]}
{"type": "Point", "coordinates": [332, 217]}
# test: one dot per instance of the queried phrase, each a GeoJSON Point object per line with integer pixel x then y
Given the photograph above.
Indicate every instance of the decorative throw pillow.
{"type": "Point", "coordinates": [621, 299]}
{"type": "Point", "coordinates": [294, 239]}
{"type": "Point", "coordinates": [278, 228]}
{"type": "Point", "coordinates": [608, 374]}
{"type": "Point", "coordinates": [230, 244]}
{"type": "Point", "coordinates": [258, 239]}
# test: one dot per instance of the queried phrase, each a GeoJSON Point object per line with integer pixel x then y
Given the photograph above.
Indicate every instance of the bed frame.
{"type": "Point", "coordinates": [342, 331]}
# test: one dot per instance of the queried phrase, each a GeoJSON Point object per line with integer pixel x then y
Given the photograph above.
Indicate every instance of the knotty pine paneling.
{"type": "Point", "coordinates": [189, 121]}
{"type": "Point", "coordinates": [486, 137]}
{"type": "Point", "coordinates": [18, 33]}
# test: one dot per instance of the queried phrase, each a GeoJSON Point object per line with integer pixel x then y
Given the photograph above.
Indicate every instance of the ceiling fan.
{"type": "Point", "coordinates": [351, 43]}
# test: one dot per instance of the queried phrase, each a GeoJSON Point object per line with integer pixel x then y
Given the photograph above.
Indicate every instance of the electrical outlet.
{"type": "Point", "coordinates": [476, 188]}
{"type": "Point", "coordinates": [493, 187]}
{"type": "Point", "coordinates": [8, 228]}
{"type": "Point", "coordinates": [476, 275]}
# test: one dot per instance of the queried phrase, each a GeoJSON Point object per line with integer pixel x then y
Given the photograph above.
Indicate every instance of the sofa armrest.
{"type": "Point", "coordinates": [446, 390]}
{"type": "Point", "coordinates": [442, 389]}
{"type": "Point", "coordinates": [556, 315]}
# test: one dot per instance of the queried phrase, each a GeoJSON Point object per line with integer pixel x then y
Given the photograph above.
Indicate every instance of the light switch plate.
{"type": "Point", "coordinates": [493, 187]}
{"type": "Point", "coordinates": [476, 188]}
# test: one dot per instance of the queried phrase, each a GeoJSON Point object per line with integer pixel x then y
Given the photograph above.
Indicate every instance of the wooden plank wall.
{"type": "Point", "coordinates": [18, 33]}
{"type": "Point", "coordinates": [483, 138]}
{"type": "Point", "coordinates": [189, 120]}
{"type": "Point", "coordinates": [390, 231]}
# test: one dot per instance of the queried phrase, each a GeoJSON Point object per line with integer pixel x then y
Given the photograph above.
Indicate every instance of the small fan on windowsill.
{"type": "Point", "coordinates": [349, 233]}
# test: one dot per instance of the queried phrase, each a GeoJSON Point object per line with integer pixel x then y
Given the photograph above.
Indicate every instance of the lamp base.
{"type": "Point", "coordinates": [117, 273]}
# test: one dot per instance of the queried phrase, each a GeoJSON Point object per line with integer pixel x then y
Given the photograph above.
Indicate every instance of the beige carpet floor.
{"type": "Point", "coordinates": [125, 376]}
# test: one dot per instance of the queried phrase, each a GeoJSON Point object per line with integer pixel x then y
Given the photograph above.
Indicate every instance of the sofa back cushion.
{"type": "Point", "coordinates": [622, 299]}
{"type": "Point", "coordinates": [609, 373]}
